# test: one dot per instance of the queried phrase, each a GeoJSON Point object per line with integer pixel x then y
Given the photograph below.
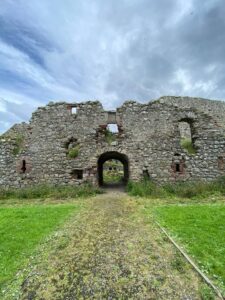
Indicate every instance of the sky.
{"type": "Point", "coordinates": [108, 50]}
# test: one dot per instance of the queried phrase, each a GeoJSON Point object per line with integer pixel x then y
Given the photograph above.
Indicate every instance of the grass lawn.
{"type": "Point", "coordinates": [22, 228]}
{"type": "Point", "coordinates": [201, 229]}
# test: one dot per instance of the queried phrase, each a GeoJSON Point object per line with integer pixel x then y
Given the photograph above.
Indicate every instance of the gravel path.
{"type": "Point", "coordinates": [110, 251]}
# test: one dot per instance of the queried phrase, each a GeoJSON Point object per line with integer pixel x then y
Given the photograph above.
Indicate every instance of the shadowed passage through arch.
{"type": "Point", "coordinates": [113, 156]}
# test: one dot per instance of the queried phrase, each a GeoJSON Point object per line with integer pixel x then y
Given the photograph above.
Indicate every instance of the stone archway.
{"type": "Point", "coordinates": [117, 156]}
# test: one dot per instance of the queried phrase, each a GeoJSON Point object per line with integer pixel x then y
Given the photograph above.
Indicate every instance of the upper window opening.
{"type": "Point", "coordinates": [185, 130]}
{"type": "Point", "coordinates": [186, 136]}
{"type": "Point", "coordinates": [113, 128]}
{"type": "Point", "coordinates": [73, 110]}
{"type": "Point", "coordinates": [111, 133]}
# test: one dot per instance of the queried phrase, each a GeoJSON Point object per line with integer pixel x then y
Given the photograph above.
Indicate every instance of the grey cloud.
{"type": "Point", "coordinates": [116, 50]}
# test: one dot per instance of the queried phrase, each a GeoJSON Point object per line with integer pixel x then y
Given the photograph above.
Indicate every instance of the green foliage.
{"type": "Point", "coordinates": [18, 144]}
{"type": "Point", "coordinates": [112, 176]}
{"type": "Point", "coordinates": [45, 191]}
{"type": "Point", "coordinates": [113, 172]}
{"type": "Point", "coordinates": [201, 229]}
{"type": "Point", "coordinates": [147, 188]}
{"type": "Point", "coordinates": [22, 229]}
{"type": "Point", "coordinates": [109, 136]}
{"type": "Point", "coordinates": [188, 145]}
{"type": "Point", "coordinates": [73, 152]}
{"type": "Point", "coordinates": [143, 188]}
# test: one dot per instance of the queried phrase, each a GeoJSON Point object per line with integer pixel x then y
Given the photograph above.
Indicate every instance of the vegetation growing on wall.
{"type": "Point", "coordinates": [19, 139]}
{"type": "Point", "coordinates": [73, 152]}
{"type": "Point", "coordinates": [187, 144]}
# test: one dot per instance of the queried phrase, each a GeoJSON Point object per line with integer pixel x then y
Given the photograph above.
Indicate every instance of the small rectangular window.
{"type": "Point", "coordinates": [77, 174]}
{"type": "Point", "coordinates": [177, 167]}
{"type": "Point", "coordinates": [113, 128]}
{"type": "Point", "coordinates": [73, 110]}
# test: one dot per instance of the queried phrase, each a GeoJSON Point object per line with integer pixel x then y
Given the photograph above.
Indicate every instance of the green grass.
{"type": "Point", "coordinates": [45, 191]}
{"type": "Point", "coordinates": [191, 190]}
{"type": "Point", "coordinates": [112, 176]}
{"type": "Point", "coordinates": [22, 229]}
{"type": "Point", "coordinates": [201, 229]}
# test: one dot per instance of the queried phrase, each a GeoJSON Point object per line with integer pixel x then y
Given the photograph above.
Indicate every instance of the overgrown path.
{"type": "Point", "coordinates": [110, 251]}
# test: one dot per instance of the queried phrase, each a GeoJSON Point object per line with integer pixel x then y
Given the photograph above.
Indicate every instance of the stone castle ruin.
{"type": "Point", "coordinates": [69, 143]}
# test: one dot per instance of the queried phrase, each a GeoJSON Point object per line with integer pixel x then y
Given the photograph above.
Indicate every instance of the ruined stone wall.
{"type": "Point", "coordinates": [149, 136]}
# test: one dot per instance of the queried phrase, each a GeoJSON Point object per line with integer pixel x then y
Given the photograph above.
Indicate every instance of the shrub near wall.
{"type": "Point", "coordinates": [45, 191]}
{"type": "Point", "coordinates": [146, 188]}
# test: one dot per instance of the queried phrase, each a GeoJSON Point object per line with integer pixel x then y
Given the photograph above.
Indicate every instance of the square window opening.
{"type": "Point", "coordinates": [77, 174]}
{"type": "Point", "coordinates": [73, 110]}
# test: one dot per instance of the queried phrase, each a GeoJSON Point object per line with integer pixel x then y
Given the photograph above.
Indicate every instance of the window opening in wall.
{"type": "Point", "coordinates": [23, 169]}
{"type": "Point", "coordinates": [177, 167]}
{"type": "Point", "coordinates": [113, 128]}
{"type": "Point", "coordinates": [72, 147]}
{"type": "Point", "coordinates": [178, 164]}
{"type": "Point", "coordinates": [111, 133]}
{"type": "Point", "coordinates": [77, 174]}
{"type": "Point", "coordinates": [186, 135]}
{"type": "Point", "coordinates": [72, 142]}
{"type": "Point", "coordinates": [146, 174]}
{"type": "Point", "coordinates": [73, 110]}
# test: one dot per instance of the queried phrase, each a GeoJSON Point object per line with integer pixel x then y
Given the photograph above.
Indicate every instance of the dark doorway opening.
{"type": "Point", "coordinates": [110, 161]}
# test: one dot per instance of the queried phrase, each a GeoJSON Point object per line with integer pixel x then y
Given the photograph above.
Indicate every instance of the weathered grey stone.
{"type": "Point", "coordinates": [149, 138]}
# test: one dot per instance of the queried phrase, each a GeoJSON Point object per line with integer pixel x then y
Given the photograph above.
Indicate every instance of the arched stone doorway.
{"type": "Point", "coordinates": [113, 155]}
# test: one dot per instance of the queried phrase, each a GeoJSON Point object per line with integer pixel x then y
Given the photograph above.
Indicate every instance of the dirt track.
{"type": "Point", "coordinates": [111, 252]}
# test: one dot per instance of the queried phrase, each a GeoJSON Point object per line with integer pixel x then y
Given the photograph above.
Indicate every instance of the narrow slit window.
{"type": "Point", "coordinates": [177, 167]}
{"type": "Point", "coordinates": [23, 168]}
